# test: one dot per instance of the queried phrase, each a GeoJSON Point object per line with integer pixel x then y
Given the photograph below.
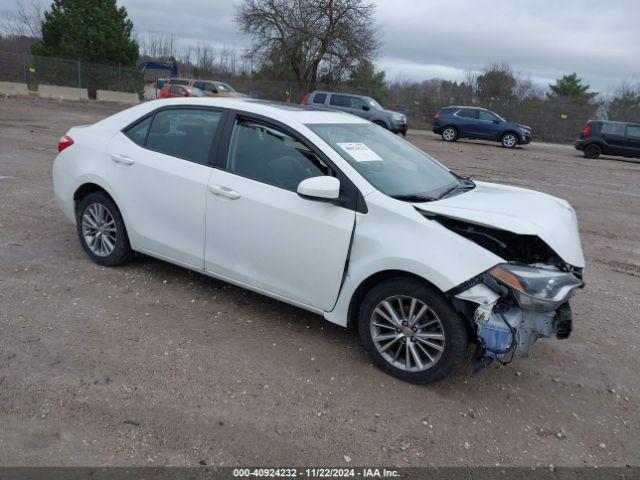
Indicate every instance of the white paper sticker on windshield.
{"type": "Point", "coordinates": [360, 152]}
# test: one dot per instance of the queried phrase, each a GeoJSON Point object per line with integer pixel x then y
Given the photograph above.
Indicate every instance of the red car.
{"type": "Point", "coordinates": [171, 90]}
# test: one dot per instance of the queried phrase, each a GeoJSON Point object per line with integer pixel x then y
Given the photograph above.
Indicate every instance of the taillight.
{"type": "Point", "coordinates": [64, 142]}
{"type": "Point", "coordinates": [586, 131]}
{"type": "Point", "coordinates": [305, 100]}
{"type": "Point", "coordinates": [437, 117]}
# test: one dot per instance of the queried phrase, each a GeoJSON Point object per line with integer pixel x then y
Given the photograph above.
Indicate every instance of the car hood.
{"type": "Point", "coordinates": [526, 127]}
{"type": "Point", "coordinates": [392, 112]}
{"type": "Point", "coordinates": [517, 210]}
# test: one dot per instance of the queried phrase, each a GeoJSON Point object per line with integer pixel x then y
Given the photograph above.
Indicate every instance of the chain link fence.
{"type": "Point", "coordinates": [552, 120]}
{"type": "Point", "coordinates": [34, 71]}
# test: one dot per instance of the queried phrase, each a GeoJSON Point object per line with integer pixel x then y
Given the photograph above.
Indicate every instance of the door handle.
{"type": "Point", "coordinates": [224, 192]}
{"type": "Point", "coordinates": [122, 159]}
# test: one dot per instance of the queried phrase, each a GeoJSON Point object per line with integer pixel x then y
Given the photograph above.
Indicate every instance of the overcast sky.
{"type": "Point", "coordinates": [421, 39]}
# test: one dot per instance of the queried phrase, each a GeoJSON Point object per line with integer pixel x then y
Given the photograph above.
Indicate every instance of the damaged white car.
{"type": "Point", "coordinates": [331, 213]}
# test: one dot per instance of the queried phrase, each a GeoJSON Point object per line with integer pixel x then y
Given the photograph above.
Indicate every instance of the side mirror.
{"type": "Point", "coordinates": [497, 122]}
{"type": "Point", "coordinates": [323, 187]}
{"type": "Point", "coordinates": [365, 108]}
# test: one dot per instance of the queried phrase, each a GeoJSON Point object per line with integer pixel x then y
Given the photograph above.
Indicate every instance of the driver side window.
{"type": "Point", "coordinates": [269, 155]}
{"type": "Point", "coordinates": [487, 116]}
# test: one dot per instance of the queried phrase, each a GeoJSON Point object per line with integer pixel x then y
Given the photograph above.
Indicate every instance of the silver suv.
{"type": "Point", "coordinates": [365, 107]}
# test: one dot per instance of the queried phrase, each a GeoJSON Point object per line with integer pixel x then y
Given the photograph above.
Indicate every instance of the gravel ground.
{"type": "Point", "coordinates": [150, 364]}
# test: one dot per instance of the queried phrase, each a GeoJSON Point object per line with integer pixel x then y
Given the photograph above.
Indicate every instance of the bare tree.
{"type": "Point", "coordinates": [313, 38]}
{"type": "Point", "coordinates": [157, 45]}
{"type": "Point", "coordinates": [25, 20]}
{"type": "Point", "coordinates": [204, 58]}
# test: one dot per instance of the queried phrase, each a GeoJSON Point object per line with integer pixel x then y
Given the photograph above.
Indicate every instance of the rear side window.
{"type": "Point", "coordinates": [340, 101]}
{"type": "Point", "coordinates": [177, 90]}
{"type": "Point", "coordinates": [633, 131]}
{"type": "Point", "coordinates": [319, 98]}
{"type": "Point", "coordinates": [138, 132]}
{"type": "Point", "coordinates": [612, 128]}
{"type": "Point", "coordinates": [269, 155]}
{"type": "Point", "coordinates": [467, 113]}
{"type": "Point", "coordinates": [199, 85]}
{"type": "Point", "coordinates": [184, 133]}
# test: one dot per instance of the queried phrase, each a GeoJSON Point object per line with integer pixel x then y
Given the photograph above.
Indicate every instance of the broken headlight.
{"type": "Point", "coordinates": [537, 289]}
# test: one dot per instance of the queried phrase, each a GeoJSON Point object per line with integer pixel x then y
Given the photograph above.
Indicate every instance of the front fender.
{"type": "Point", "coordinates": [394, 236]}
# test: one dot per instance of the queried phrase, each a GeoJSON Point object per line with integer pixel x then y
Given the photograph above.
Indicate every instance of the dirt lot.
{"type": "Point", "coordinates": [150, 364]}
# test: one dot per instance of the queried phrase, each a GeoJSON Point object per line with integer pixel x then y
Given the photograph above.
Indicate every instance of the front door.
{"type": "Point", "coordinates": [159, 175]}
{"type": "Point", "coordinates": [261, 233]}
{"type": "Point", "coordinates": [633, 141]}
{"type": "Point", "coordinates": [488, 127]}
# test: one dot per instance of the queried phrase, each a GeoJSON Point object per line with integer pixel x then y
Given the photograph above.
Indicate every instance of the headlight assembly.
{"type": "Point", "coordinates": [537, 289]}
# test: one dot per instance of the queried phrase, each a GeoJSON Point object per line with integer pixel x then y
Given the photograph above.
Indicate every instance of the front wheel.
{"type": "Point", "coordinates": [509, 140]}
{"type": "Point", "coordinates": [411, 331]}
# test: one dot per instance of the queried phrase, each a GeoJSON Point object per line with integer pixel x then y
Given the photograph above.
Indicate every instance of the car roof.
{"type": "Point", "coordinates": [278, 111]}
{"type": "Point", "coordinates": [327, 92]}
{"type": "Point", "coordinates": [617, 122]}
{"type": "Point", "coordinates": [466, 106]}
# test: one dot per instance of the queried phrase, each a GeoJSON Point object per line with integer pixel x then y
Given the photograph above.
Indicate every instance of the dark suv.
{"type": "Point", "coordinates": [481, 124]}
{"type": "Point", "coordinates": [600, 137]}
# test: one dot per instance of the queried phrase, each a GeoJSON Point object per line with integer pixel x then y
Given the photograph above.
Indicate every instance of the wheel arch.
{"type": "Point", "coordinates": [372, 280]}
{"type": "Point", "coordinates": [93, 185]}
{"type": "Point", "coordinates": [87, 188]}
{"type": "Point", "coordinates": [510, 131]}
{"type": "Point", "coordinates": [382, 122]}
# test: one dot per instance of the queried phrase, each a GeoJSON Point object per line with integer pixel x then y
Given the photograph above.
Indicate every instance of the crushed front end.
{"type": "Point", "coordinates": [513, 305]}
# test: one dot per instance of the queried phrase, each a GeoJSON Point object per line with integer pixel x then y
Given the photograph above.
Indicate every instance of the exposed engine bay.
{"type": "Point", "coordinates": [517, 302]}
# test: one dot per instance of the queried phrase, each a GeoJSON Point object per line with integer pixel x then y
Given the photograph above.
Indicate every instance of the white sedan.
{"type": "Point", "coordinates": [329, 212]}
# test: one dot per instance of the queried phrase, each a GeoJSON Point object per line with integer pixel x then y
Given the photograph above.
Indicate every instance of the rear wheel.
{"type": "Point", "coordinates": [101, 230]}
{"type": "Point", "coordinates": [509, 140]}
{"type": "Point", "coordinates": [411, 331]}
{"type": "Point", "coordinates": [449, 134]}
{"type": "Point", "coordinates": [592, 151]}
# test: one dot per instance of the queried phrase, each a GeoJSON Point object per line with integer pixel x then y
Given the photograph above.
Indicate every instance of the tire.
{"type": "Point", "coordinates": [381, 123]}
{"type": "Point", "coordinates": [592, 151]}
{"type": "Point", "coordinates": [440, 319]}
{"type": "Point", "coordinates": [509, 140]}
{"type": "Point", "coordinates": [449, 134]}
{"type": "Point", "coordinates": [98, 217]}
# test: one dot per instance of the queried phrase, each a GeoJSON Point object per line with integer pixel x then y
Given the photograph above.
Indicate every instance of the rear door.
{"type": "Point", "coordinates": [613, 134]}
{"type": "Point", "coordinates": [260, 232]}
{"type": "Point", "coordinates": [466, 121]}
{"type": "Point", "coordinates": [159, 173]}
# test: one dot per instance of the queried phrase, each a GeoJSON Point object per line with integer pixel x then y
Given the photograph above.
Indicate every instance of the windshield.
{"type": "Point", "coordinates": [390, 164]}
{"type": "Point", "coordinates": [223, 87]}
{"type": "Point", "coordinates": [373, 104]}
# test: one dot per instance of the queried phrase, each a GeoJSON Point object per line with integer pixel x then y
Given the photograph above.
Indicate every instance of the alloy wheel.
{"type": "Point", "coordinates": [407, 333]}
{"type": "Point", "coordinates": [99, 229]}
{"type": "Point", "coordinates": [449, 134]}
{"type": "Point", "coordinates": [509, 140]}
